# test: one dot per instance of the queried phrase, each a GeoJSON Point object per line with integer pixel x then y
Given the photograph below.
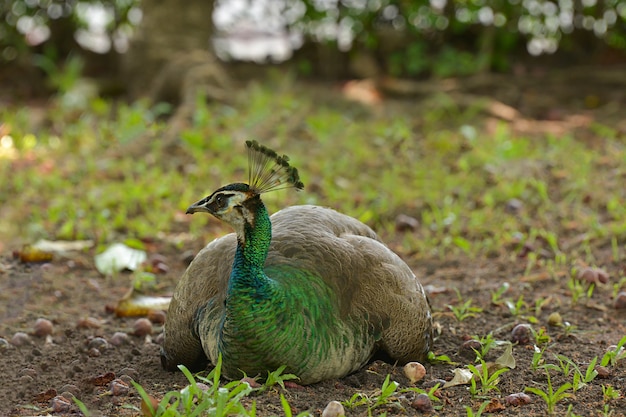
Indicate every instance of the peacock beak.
{"type": "Point", "coordinates": [200, 206]}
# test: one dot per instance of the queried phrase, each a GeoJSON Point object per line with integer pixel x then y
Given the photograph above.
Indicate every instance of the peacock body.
{"type": "Point", "coordinates": [308, 288]}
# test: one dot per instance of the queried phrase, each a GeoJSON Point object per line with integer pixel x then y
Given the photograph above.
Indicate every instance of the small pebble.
{"type": "Point", "coordinates": [620, 301]}
{"type": "Point", "coordinates": [4, 344]}
{"type": "Point", "coordinates": [517, 399]}
{"type": "Point", "coordinates": [42, 328]}
{"type": "Point", "coordinates": [142, 327]}
{"type": "Point", "coordinates": [522, 334]}
{"type": "Point", "coordinates": [130, 372]}
{"type": "Point", "coordinates": [587, 275]}
{"type": "Point", "coordinates": [71, 388]}
{"type": "Point", "coordinates": [251, 381]}
{"type": "Point", "coordinates": [157, 316]}
{"type": "Point", "coordinates": [20, 339]}
{"type": "Point", "coordinates": [60, 404]}
{"type": "Point", "coordinates": [406, 223]}
{"type": "Point", "coordinates": [469, 347]}
{"type": "Point", "coordinates": [334, 409]}
{"type": "Point", "coordinates": [422, 403]}
{"type": "Point", "coordinates": [603, 371]}
{"type": "Point", "coordinates": [98, 343]}
{"type": "Point", "coordinates": [555, 319]}
{"type": "Point", "coordinates": [415, 371]}
{"type": "Point", "coordinates": [26, 380]}
{"type": "Point", "coordinates": [593, 275]}
{"type": "Point", "coordinates": [88, 323]}
{"type": "Point", "coordinates": [94, 353]}
{"type": "Point", "coordinates": [118, 339]}
{"type": "Point", "coordinates": [514, 205]}
{"type": "Point", "coordinates": [118, 387]}
{"type": "Point", "coordinates": [29, 371]}
{"type": "Point", "coordinates": [159, 339]}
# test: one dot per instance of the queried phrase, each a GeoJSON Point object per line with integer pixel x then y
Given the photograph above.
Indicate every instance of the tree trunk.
{"type": "Point", "coordinates": [171, 57]}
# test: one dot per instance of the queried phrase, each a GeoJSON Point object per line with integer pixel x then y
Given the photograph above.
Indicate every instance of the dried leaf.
{"type": "Point", "coordinates": [506, 360]}
{"type": "Point", "coordinates": [30, 254]}
{"type": "Point", "coordinates": [134, 305]}
{"type": "Point", "coordinates": [119, 257]}
{"type": "Point", "coordinates": [62, 247]}
{"type": "Point", "coordinates": [462, 376]}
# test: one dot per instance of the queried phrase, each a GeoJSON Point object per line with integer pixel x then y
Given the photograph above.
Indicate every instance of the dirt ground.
{"type": "Point", "coordinates": [68, 292]}
{"type": "Point", "coordinates": [90, 346]}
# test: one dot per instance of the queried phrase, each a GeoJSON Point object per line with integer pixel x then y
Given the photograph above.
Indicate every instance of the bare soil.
{"type": "Point", "coordinates": [78, 301]}
{"type": "Point", "coordinates": [69, 291]}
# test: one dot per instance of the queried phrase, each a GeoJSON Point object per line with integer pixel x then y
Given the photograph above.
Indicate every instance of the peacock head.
{"type": "Point", "coordinates": [237, 203]}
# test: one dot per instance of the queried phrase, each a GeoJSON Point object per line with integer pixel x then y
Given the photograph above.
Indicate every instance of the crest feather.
{"type": "Point", "coordinates": [268, 171]}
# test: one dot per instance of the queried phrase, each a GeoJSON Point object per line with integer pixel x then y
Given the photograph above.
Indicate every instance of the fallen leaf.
{"type": "Point", "coordinates": [134, 304]}
{"type": "Point", "coordinates": [506, 360]}
{"type": "Point", "coordinates": [118, 257]}
{"type": "Point", "coordinates": [462, 376]}
{"type": "Point", "coordinates": [494, 405]}
{"type": "Point", "coordinates": [62, 247]}
{"type": "Point", "coordinates": [30, 254]}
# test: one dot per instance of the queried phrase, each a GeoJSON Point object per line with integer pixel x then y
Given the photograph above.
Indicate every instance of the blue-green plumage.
{"type": "Point", "coordinates": [311, 289]}
{"type": "Point", "coordinates": [281, 316]}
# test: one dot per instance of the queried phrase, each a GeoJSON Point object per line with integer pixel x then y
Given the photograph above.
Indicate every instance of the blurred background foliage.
{"type": "Point", "coordinates": [417, 38]}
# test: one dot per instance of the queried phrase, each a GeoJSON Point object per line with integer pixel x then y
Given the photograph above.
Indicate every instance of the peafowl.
{"type": "Point", "coordinates": [308, 288]}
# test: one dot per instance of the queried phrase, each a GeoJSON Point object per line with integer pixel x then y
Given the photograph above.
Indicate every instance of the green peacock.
{"type": "Point", "coordinates": [309, 288]}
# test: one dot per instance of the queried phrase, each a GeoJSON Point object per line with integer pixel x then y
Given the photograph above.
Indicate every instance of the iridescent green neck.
{"type": "Point", "coordinates": [252, 247]}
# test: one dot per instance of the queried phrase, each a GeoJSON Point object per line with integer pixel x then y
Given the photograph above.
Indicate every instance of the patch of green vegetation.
{"type": "Point", "coordinates": [108, 172]}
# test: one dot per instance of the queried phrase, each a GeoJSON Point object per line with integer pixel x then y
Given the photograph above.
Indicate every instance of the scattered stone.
{"type": "Point", "coordinates": [118, 387]}
{"type": "Point", "coordinates": [88, 323]}
{"type": "Point", "coordinates": [522, 334]}
{"type": "Point", "coordinates": [98, 343]}
{"type": "Point", "coordinates": [422, 403]}
{"type": "Point", "coordinates": [60, 404]}
{"type": "Point", "coordinates": [42, 327]}
{"type": "Point", "coordinates": [70, 388]}
{"type": "Point", "coordinates": [46, 396]}
{"type": "Point", "coordinates": [620, 301]}
{"type": "Point", "coordinates": [517, 399]}
{"type": "Point", "coordinates": [118, 339]}
{"type": "Point", "coordinates": [555, 319]}
{"type": "Point", "coordinates": [157, 317]}
{"type": "Point", "coordinates": [334, 409]}
{"type": "Point", "coordinates": [130, 372]}
{"type": "Point", "coordinates": [251, 381]}
{"type": "Point", "coordinates": [29, 371]}
{"type": "Point", "coordinates": [4, 344]}
{"type": "Point", "coordinates": [415, 371]}
{"type": "Point", "coordinates": [94, 353]}
{"type": "Point", "coordinates": [142, 327]}
{"type": "Point", "coordinates": [469, 347]}
{"type": "Point", "coordinates": [21, 339]}
{"type": "Point", "coordinates": [514, 205]}
{"type": "Point", "coordinates": [26, 380]}
{"type": "Point", "coordinates": [603, 371]}
{"type": "Point", "coordinates": [406, 223]}
{"type": "Point", "coordinates": [494, 406]}
{"type": "Point", "coordinates": [593, 275]}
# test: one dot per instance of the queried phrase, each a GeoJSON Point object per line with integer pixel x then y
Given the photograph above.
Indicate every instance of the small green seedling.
{"type": "Point", "coordinates": [277, 377]}
{"type": "Point", "coordinates": [488, 381]}
{"type": "Point", "coordinates": [612, 356]}
{"type": "Point", "coordinates": [609, 393]}
{"type": "Point", "coordinates": [464, 310]}
{"type": "Point", "coordinates": [550, 396]}
{"type": "Point", "coordinates": [496, 296]}
{"type": "Point", "coordinates": [444, 359]}
{"type": "Point", "coordinates": [518, 307]}
{"type": "Point", "coordinates": [487, 342]}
